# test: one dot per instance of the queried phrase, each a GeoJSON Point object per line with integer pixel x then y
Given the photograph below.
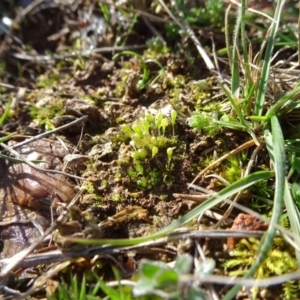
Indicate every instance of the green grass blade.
{"type": "Point", "coordinates": [5, 114]}
{"type": "Point", "coordinates": [228, 47]}
{"type": "Point", "coordinates": [74, 285]}
{"type": "Point", "coordinates": [278, 156]}
{"type": "Point", "coordinates": [251, 88]}
{"type": "Point", "coordinates": [82, 294]}
{"type": "Point", "coordinates": [259, 104]}
{"type": "Point", "coordinates": [234, 104]}
{"type": "Point", "coordinates": [235, 80]}
{"type": "Point", "coordinates": [7, 137]}
{"type": "Point", "coordinates": [244, 43]}
{"type": "Point", "coordinates": [275, 109]}
{"type": "Point", "coordinates": [293, 214]}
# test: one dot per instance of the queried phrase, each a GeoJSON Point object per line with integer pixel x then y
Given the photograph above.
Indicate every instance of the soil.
{"type": "Point", "coordinates": [61, 62]}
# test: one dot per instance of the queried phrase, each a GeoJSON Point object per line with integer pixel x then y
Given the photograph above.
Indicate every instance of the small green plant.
{"type": "Point", "coordinates": [47, 80]}
{"type": "Point", "coordinates": [6, 114]}
{"type": "Point", "coordinates": [156, 46]}
{"type": "Point", "coordinates": [158, 278]}
{"type": "Point", "coordinates": [152, 142]}
{"type": "Point", "coordinates": [75, 291]}
{"type": "Point", "coordinates": [43, 115]}
{"type": "Point", "coordinates": [146, 74]}
{"type": "Point", "coordinates": [211, 13]}
{"type": "Point", "coordinates": [78, 290]}
{"type": "Point", "coordinates": [204, 121]}
{"type": "Point", "coordinates": [150, 135]}
{"type": "Point", "coordinates": [112, 293]}
{"type": "Point", "coordinates": [106, 13]}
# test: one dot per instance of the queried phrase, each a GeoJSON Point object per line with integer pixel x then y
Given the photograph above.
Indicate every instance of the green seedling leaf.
{"type": "Point", "coordinates": [150, 119]}
{"type": "Point", "coordinates": [166, 278]}
{"type": "Point", "coordinates": [149, 268]}
{"type": "Point", "coordinates": [235, 68]}
{"type": "Point", "coordinates": [232, 125]}
{"type": "Point", "coordinates": [170, 152]}
{"type": "Point", "coordinates": [173, 119]}
{"type": "Point", "coordinates": [106, 13]}
{"type": "Point", "coordinates": [198, 120]}
{"type": "Point", "coordinates": [137, 129]}
{"type": "Point", "coordinates": [296, 163]}
{"type": "Point", "coordinates": [155, 61]}
{"type": "Point", "coordinates": [154, 275]}
{"type": "Point", "coordinates": [146, 126]}
{"type": "Point", "coordinates": [260, 99]}
{"type": "Point", "coordinates": [137, 140]}
{"type": "Point", "coordinates": [145, 80]}
{"type": "Point", "coordinates": [235, 104]}
{"type": "Point", "coordinates": [158, 119]}
{"type": "Point", "coordinates": [140, 154]}
{"type": "Point", "coordinates": [154, 151]}
{"type": "Point", "coordinates": [126, 129]}
{"type": "Point", "coordinates": [230, 122]}
{"type": "Point", "coordinates": [183, 264]}
{"type": "Point", "coordinates": [164, 124]}
{"type": "Point", "coordinates": [74, 284]}
{"type": "Point", "coordinates": [280, 104]}
{"type": "Point", "coordinates": [205, 267]}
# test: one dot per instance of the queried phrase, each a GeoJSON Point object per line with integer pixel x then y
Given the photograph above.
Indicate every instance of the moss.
{"type": "Point", "coordinates": [232, 169]}
{"type": "Point", "coordinates": [48, 80]}
{"type": "Point", "coordinates": [88, 187]}
{"type": "Point", "coordinates": [120, 88]}
{"type": "Point", "coordinates": [116, 197]}
{"type": "Point", "coordinates": [155, 47]}
{"type": "Point", "coordinates": [163, 197]}
{"type": "Point", "coordinates": [44, 113]}
{"type": "Point", "coordinates": [280, 260]}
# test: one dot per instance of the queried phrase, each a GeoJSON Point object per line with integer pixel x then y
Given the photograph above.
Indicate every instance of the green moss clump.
{"type": "Point", "coordinates": [280, 260]}
{"type": "Point", "coordinates": [44, 113]}
{"type": "Point", "coordinates": [232, 169]}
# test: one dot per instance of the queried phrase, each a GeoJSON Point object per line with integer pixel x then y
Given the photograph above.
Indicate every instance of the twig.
{"type": "Point", "coordinates": [200, 198]}
{"type": "Point", "coordinates": [42, 135]}
{"type": "Point", "coordinates": [63, 255]}
{"type": "Point", "coordinates": [51, 59]}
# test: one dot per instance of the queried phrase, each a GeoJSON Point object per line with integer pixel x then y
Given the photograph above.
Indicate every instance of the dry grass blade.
{"type": "Point", "coordinates": [32, 165]}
